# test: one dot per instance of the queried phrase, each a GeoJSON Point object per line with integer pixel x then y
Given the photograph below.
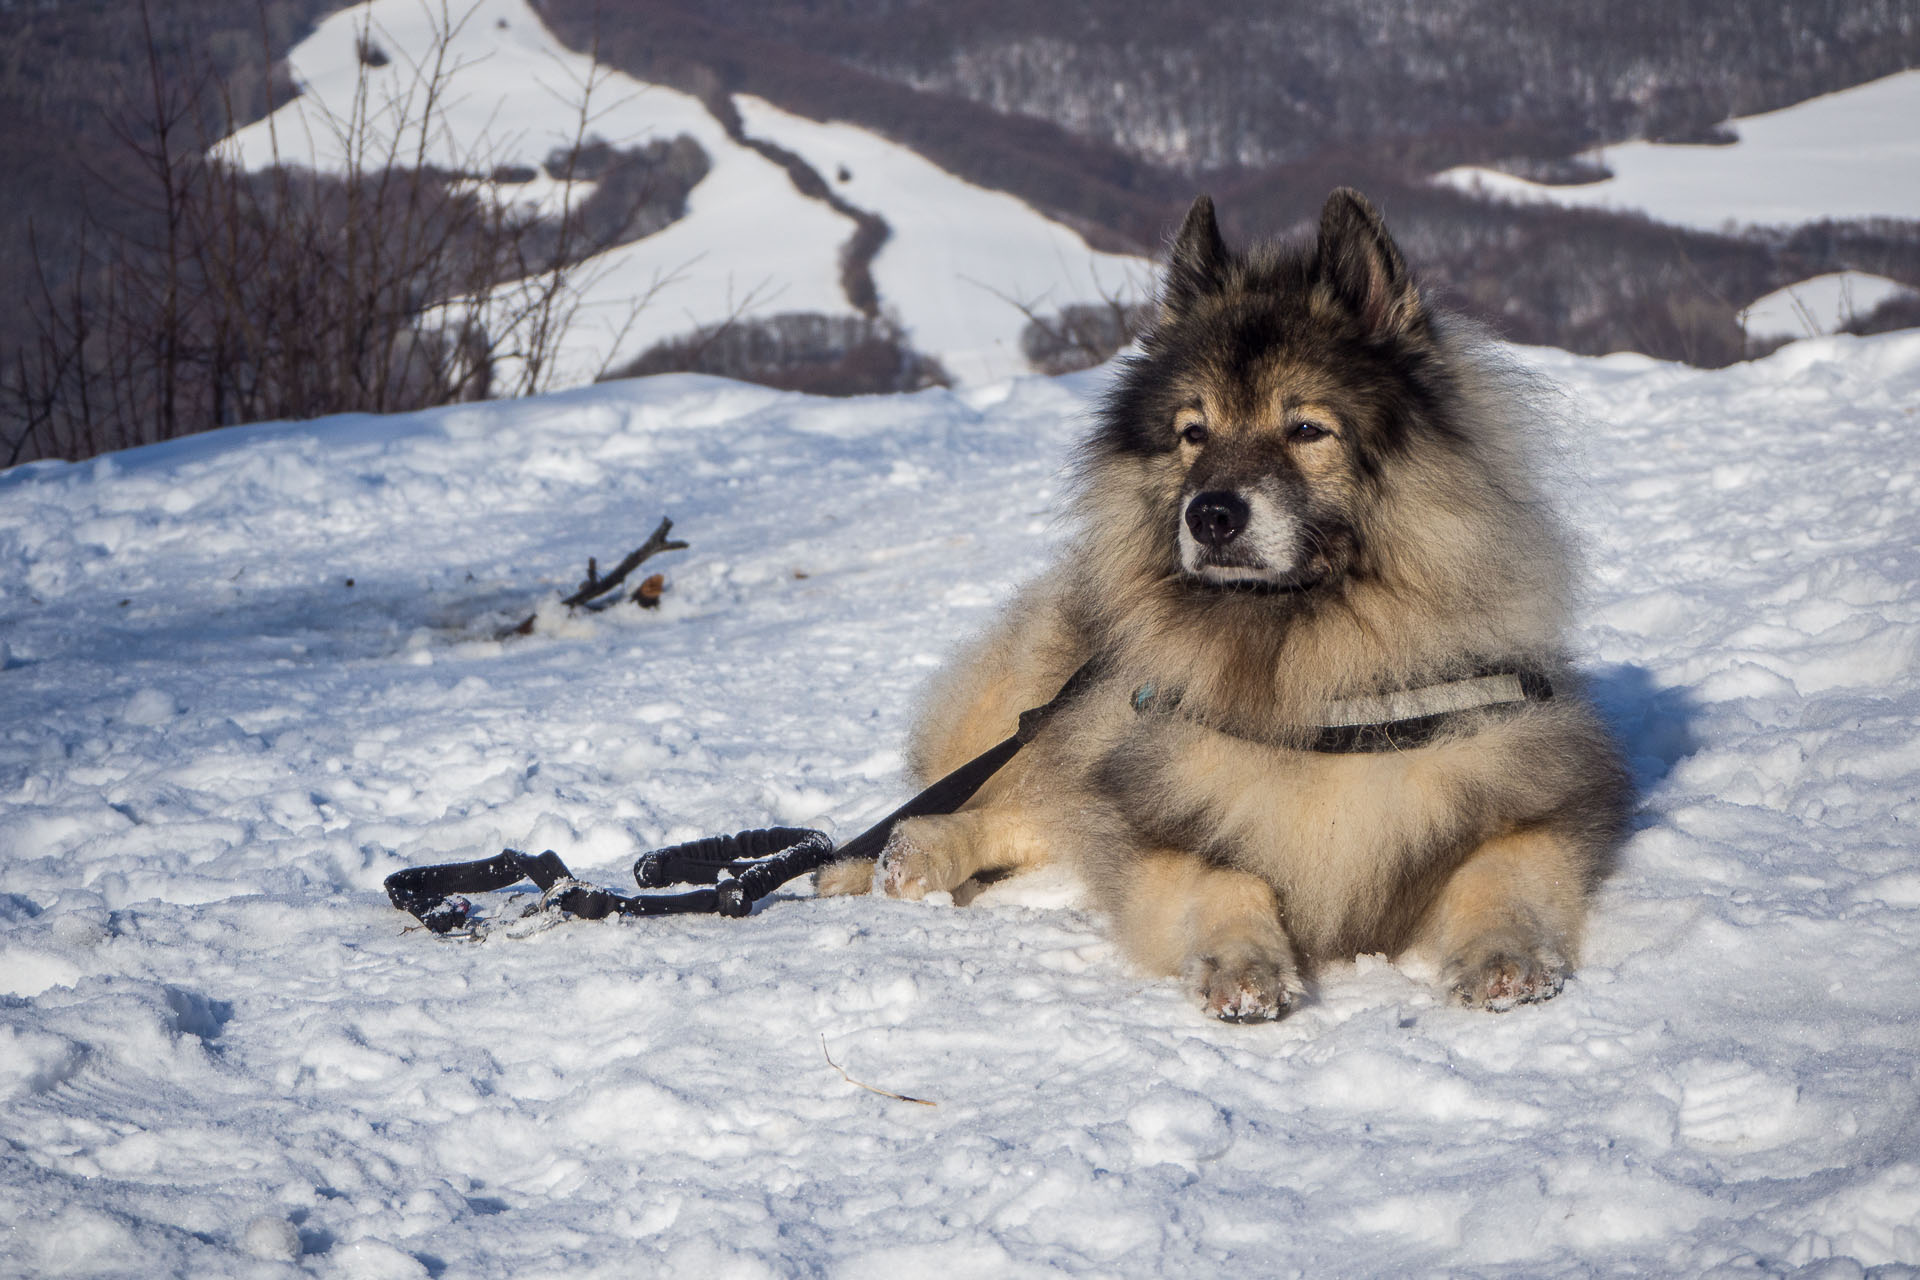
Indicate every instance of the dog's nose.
{"type": "Point", "coordinates": [1217, 518]}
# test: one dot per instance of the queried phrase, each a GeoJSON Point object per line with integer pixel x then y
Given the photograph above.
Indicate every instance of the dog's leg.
{"type": "Point", "coordinates": [1506, 925]}
{"type": "Point", "coordinates": [1217, 928]}
{"type": "Point", "coordinates": [854, 875]}
{"type": "Point", "coordinates": [940, 852]}
{"type": "Point", "coordinates": [944, 851]}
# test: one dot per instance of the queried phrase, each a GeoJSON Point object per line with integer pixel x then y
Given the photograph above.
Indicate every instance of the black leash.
{"type": "Point", "coordinates": [742, 868]}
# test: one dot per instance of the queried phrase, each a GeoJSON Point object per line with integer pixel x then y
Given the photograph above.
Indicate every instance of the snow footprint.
{"type": "Point", "coordinates": [1177, 1126]}
{"type": "Point", "coordinates": [1735, 1105]}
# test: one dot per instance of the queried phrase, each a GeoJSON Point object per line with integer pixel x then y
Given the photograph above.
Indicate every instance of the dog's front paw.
{"type": "Point", "coordinates": [1255, 988]}
{"type": "Point", "coordinates": [854, 875]}
{"type": "Point", "coordinates": [910, 868]}
{"type": "Point", "coordinates": [1507, 978]}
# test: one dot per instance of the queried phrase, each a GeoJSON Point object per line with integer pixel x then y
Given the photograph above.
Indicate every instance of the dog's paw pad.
{"type": "Point", "coordinates": [1502, 981]}
{"type": "Point", "coordinates": [1250, 991]}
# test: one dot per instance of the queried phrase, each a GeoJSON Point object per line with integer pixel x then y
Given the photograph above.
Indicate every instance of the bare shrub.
{"type": "Point", "coordinates": [1082, 335]}
{"type": "Point", "coordinates": [282, 293]}
{"type": "Point", "coordinates": [1901, 311]}
{"type": "Point", "coordinates": [799, 351]}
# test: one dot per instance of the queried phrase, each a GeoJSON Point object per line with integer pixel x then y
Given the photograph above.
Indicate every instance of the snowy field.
{"type": "Point", "coordinates": [248, 674]}
{"type": "Point", "coordinates": [1851, 154]}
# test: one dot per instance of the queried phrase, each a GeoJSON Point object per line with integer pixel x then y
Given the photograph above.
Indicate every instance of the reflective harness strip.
{"type": "Point", "coordinates": [1396, 721]}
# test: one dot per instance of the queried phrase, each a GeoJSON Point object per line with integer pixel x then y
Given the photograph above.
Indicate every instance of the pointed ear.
{"type": "Point", "coordinates": [1198, 264]}
{"type": "Point", "coordinates": [1359, 261]}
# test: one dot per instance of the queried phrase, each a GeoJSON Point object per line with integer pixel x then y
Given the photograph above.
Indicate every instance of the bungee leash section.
{"type": "Point", "coordinates": [742, 868]}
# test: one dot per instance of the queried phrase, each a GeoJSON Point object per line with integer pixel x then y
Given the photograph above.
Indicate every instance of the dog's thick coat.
{"type": "Point", "coordinates": [1307, 487]}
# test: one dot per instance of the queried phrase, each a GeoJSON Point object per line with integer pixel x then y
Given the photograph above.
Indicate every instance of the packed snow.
{"type": "Point", "coordinates": [473, 86]}
{"type": "Point", "coordinates": [248, 674]}
{"type": "Point", "coordinates": [1851, 154]}
{"type": "Point", "coordinates": [1819, 305]}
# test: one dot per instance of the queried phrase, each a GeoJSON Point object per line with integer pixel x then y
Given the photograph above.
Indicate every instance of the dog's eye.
{"type": "Point", "coordinates": [1305, 431]}
{"type": "Point", "coordinates": [1195, 433]}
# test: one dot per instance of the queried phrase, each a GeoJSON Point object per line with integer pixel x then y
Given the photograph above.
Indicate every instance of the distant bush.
{"type": "Point", "coordinates": [799, 351]}
{"type": "Point", "coordinates": [1082, 335]}
{"type": "Point", "coordinates": [1902, 311]}
{"type": "Point", "coordinates": [637, 190]}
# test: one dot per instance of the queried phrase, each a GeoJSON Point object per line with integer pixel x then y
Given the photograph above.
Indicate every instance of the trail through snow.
{"type": "Point", "coordinates": [245, 675]}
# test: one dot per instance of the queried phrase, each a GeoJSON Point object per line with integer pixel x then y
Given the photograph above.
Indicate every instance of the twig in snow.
{"type": "Point", "coordinates": [647, 596]}
{"type": "Point", "coordinates": [885, 1093]}
{"type": "Point", "coordinates": [595, 585]}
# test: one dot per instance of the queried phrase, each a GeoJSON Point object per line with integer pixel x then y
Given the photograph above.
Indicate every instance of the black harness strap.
{"type": "Point", "coordinates": [742, 868]}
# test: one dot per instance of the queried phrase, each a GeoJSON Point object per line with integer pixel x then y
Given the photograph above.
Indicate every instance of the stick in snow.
{"type": "Point", "coordinates": [885, 1093]}
{"type": "Point", "coordinates": [594, 585]}
{"type": "Point", "coordinates": [647, 597]}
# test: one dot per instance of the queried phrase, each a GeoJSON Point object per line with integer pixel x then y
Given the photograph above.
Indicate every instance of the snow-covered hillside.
{"type": "Point", "coordinates": [248, 674]}
{"type": "Point", "coordinates": [1822, 304]}
{"type": "Point", "coordinates": [506, 93]}
{"type": "Point", "coordinates": [963, 266]}
{"type": "Point", "coordinates": [1852, 154]}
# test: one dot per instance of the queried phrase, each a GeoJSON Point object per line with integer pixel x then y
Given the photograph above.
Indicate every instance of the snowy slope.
{"type": "Point", "coordinates": [1851, 154]}
{"type": "Point", "coordinates": [962, 262]}
{"type": "Point", "coordinates": [751, 245]}
{"type": "Point", "coordinates": [1818, 305]}
{"type": "Point", "coordinates": [222, 1055]}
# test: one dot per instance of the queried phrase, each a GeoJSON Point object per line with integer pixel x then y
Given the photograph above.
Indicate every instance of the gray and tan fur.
{"type": "Point", "coordinates": [1308, 486]}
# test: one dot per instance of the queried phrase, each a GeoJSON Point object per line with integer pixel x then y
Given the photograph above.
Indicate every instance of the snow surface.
{"type": "Point", "coordinates": [1851, 154]}
{"type": "Point", "coordinates": [750, 246]}
{"type": "Point", "coordinates": [1818, 305]}
{"type": "Point", "coordinates": [223, 1055]}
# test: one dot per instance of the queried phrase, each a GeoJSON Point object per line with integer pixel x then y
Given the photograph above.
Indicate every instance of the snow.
{"type": "Point", "coordinates": [223, 1054]}
{"type": "Point", "coordinates": [1818, 305]}
{"type": "Point", "coordinates": [1851, 154]}
{"type": "Point", "coordinates": [963, 265]}
{"type": "Point", "coordinates": [750, 246]}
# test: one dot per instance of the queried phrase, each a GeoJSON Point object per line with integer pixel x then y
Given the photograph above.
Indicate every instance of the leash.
{"type": "Point", "coordinates": [742, 868]}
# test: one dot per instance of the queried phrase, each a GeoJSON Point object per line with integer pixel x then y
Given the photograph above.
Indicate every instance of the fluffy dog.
{"type": "Point", "coordinates": [1320, 608]}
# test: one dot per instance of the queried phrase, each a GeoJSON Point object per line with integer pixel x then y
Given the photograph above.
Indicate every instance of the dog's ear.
{"type": "Point", "coordinates": [1359, 261]}
{"type": "Point", "coordinates": [1198, 265]}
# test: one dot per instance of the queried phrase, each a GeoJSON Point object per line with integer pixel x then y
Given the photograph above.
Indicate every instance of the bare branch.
{"type": "Point", "coordinates": [595, 586]}
{"type": "Point", "coordinates": [885, 1093]}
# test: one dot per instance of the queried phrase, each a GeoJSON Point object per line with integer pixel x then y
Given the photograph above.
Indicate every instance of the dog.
{"type": "Point", "coordinates": [1317, 607]}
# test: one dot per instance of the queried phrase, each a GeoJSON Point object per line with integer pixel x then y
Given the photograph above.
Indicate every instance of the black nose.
{"type": "Point", "coordinates": [1217, 518]}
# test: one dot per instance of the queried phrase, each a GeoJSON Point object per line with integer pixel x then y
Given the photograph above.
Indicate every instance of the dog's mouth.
{"type": "Point", "coordinates": [1250, 579]}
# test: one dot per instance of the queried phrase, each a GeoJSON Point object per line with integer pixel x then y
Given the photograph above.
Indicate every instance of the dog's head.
{"type": "Point", "coordinates": [1252, 430]}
